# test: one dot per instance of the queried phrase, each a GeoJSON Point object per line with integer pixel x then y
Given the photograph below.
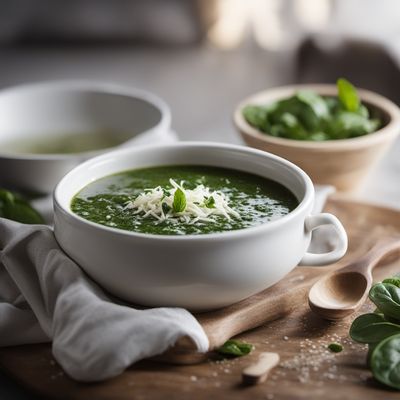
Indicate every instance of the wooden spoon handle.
{"type": "Point", "coordinates": [220, 325]}
{"type": "Point", "coordinates": [371, 259]}
{"type": "Point", "coordinates": [258, 372]}
{"type": "Point", "coordinates": [269, 305]}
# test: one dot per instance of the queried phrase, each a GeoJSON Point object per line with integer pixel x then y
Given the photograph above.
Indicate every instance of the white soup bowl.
{"type": "Point", "coordinates": [198, 272]}
{"type": "Point", "coordinates": [60, 108]}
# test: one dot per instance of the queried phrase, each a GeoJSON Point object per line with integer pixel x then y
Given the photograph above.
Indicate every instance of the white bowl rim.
{"type": "Point", "coordinates": [304, 203]}
{"type": "Point", "coordinates": [111, 88]}
{"type": "Point", "coordinates": [277, 93]}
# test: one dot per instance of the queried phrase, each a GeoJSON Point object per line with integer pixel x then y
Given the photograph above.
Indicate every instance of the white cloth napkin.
{"type": "Point", "coordinates": [45, 296]}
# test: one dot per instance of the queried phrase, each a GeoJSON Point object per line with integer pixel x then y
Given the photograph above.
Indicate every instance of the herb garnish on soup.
{"type": "Point", "coordinates": [182, 200]}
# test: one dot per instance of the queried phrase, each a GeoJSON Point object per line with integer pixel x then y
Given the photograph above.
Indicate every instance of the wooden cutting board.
{"type": "Point", "coordinates": [284, 325]}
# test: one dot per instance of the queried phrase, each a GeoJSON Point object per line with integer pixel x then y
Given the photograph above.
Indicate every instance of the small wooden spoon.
{"type": "Point", "coordinates": [340, 293]}
{"type": "Point", "coordinates": [258, 372]}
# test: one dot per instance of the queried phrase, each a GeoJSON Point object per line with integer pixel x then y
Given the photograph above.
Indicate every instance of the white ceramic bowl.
{"type": "Point", "coordinates": [195, 271]}
{"type": "Point", "coordinates": [70, 107]}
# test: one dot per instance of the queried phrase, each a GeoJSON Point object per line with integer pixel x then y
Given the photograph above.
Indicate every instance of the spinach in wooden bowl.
{"type": "Point", "coordinates": [381, 331]}
{"type": "Point", "coordinates": [309, 116]}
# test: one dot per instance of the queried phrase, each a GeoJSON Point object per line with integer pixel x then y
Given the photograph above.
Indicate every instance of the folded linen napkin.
{"type": "Point", "coordinates": [45, 296]}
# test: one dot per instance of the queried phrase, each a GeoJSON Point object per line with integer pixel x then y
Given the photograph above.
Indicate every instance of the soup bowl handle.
{"type": "Point", "coordinates": [315, 221]}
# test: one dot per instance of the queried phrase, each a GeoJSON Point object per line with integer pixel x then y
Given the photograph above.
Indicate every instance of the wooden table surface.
{"type": "Point", "coordinates": [307, 369]}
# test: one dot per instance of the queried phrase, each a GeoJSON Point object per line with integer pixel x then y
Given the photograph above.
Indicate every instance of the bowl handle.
{"type": "Point", "coordinates": [314, 221]}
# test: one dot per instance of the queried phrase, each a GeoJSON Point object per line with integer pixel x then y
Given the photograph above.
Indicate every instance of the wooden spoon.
{"type": "Point", "coordinates": [258, 372]}
{"type": "Point", "coordinates": [340, 293]}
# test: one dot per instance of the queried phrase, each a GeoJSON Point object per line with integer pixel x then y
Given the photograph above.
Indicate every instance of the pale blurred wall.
{"type": "Point", "coordinates": [151, 21]}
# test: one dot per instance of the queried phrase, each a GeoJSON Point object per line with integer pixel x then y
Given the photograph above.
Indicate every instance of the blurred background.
{"type": "Point", "coordinates": [202, 56]}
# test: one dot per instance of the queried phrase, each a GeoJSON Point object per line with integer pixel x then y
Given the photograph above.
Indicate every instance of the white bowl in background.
{"type": "Point", "coordinates": [71, 107]}
{"type": "Point", "coordinates": [198, 272]}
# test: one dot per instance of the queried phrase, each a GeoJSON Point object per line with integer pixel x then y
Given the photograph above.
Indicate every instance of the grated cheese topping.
{"type": "Point", "coordinates": [202, 204]}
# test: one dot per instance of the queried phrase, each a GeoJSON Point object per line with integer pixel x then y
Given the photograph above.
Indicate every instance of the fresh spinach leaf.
{"type": "Point", "coordinates": [394, 281]}
{"type": "Point", "coordinates": [385, 361]}
{"type": "Point", "coordinates": [14, 207]}
{"type": "Point", "coordinates": [308, 116]}
{"type": "Point", "coordinates": [256, 116]}
{"type": "Point", "coordinates": [363, 111]}
{"type": "Point", "coordinates": [235, 348]}
{"type": "Point", "coordinates": [315, 102]}
{"type": "Point", "coordinates": [302, 111]}
{"type": "Point", "coordinates": [346, 124]}
{"type": "Point", "coordinates": [179, 203]}
{"type": "Point", "coordinates": [318, 136]}
{"type": "Point", "coordinates": [372, 328]}
{"type": "Point", "coordinates": [348, 96]}
{"type": "Point", "coordinates": [386, 297]}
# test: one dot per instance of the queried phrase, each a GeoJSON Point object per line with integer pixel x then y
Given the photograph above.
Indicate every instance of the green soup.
{"type": "Point", "coordinates": [235, 199]}
{"type": "Point", "coordinates": [64, 144]}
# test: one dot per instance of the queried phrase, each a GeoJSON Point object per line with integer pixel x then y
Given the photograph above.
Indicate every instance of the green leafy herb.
{"type": "Point", "coordinates": [256, 116]}
{"type": "Point", "coordinates": [179, 203]}
{"type": "Point", "coordinates": [348, 95]}
{"type": "Point", "coordinates": [394, 281]}
{"type": "Point", "coordinates": [14, 207]}
{"type": "Point", "coordinates": [385, 361]}
{"type": "Point", "coordinates": [309, 116]}
{"type": "Point", "coordinates": [386, 297]}
{"type": "Point", "coordinates": [372, 328]}
{"type": "Point", "coordinates": [335, 347]}
{"type": "Point", "coordinates": [315, 102]}
{"type": "Point", "coordinates": [235, 348]}
{"type": "Point", "coordinates": [381, 330]}
{"type": "Point", "coordinates": [210, 202]}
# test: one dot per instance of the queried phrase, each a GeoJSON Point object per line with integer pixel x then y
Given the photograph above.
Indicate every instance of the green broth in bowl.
{"type": "Point", "coordinates": [183, 200]}
{"type": "Point", "coordinates": [68, 143]}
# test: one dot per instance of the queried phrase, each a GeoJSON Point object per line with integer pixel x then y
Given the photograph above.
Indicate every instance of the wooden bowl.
{"type": "Point", "coordinates": [343, 163]}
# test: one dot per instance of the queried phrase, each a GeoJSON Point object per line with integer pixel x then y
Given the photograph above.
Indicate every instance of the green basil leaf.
{"type": "Point", "coordinates": [210, 202]}
{"type": "Point", "coordinates": [385, 362]}
{"type": "Point", "coordinates": [14, 207]}
{"type": "Point", "coordinates": [372, 328]}
{"type": "Point", "coordinates": [179, 203]}
{"type": "Point", "coordinates": [235, 348]}
{"type": "Point", "coordinates": [386, 297]}
{"type": "Point", "coordinates": [348, 96]}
